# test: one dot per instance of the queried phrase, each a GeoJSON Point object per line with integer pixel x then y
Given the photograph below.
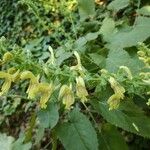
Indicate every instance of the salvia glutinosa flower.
{"type": "Point", "coordinates": [81, 89]}
{"type": "Point", "coordinates": [127, 70]}
{"type": "Point", "coordinates": [7, 57]}
{"type": "Point", "coordinates": [67, 96]}
{"type": "Point", "coordinates": [45, 90]}
{"type": "Point", "coordinates": [119, 91]}
{"type": "Point", "coordinates": [77, 67]}
{"type": "Point", "coordinates": [52, 57]}
{"type": "Point", "coordinates": [34, 81]}
{"type": "Point", "coordinates": [8, 79]}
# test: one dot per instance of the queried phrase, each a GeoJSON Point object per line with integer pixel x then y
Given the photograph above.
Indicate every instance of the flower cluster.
{"type": "Point", "coordinates": [44, 90]}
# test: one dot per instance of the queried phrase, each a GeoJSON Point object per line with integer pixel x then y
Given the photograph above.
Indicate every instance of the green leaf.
{"type": "Point", "coordinates": [117, 5]}
{"type": "Point", "coordinates": [119, 57]}
{"type": "Point", "coordinates": [107, 28]}
{"type": "Point", "coordinates": [86, 8]}
{"type": "Point", "coordinates": [6, 142]}
{"type": "Point", "coordinates": [128, 117]}
{"type": "Point", "coordinates": [144, 11]}
{"type": "Point", "coordinates": [97, 59]}
{"type": "Point", "coordinates": [49, 117]}
{"type": "Point", "coordinates": [111, 139]}
{"type": "Point", "coordinates": [19, 145]}
{"type": "Point", "coordinates": [127, 38]}
{"type": "Point", "coordinates": [77, 133]}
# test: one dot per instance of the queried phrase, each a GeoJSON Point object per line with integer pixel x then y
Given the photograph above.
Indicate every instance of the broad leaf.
{"type": "Point", "coordinates": [138, 33]}
{"type": "Point", "coordinates": [19, 145]}
{"type": "Point", "coordinates": [49, 117]}
{"type": "Point", "coordinates": [6, 142]}
{"type": "Point", "coordinates": [111, 139]}
{"type": "Point", "coordinates": [107, 28]}
{"type": "Point", "coordinates": [119, 57]}
{"type": "Point", "coordinates": [86, 8]}
{"type": "Point", "coordinates": [144, 11]}
{"type": "Point", "coordinates": [97, 59]}
{"type": "Point", "coordinates": [116, 5]}
{"type": "Point", "coordinates": [77, 133]}
{"type": "Point", "coordinates": [128, 117]}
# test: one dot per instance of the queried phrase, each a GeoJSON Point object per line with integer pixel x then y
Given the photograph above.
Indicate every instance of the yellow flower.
{"type": "Point", "coordinates": [67, 96]}
{"type": "Point", "coordinates": [119, 91]}
{"type": "Point", "coordinates": [114, 102]}
{"type": "Point", "coordinates": [45, 91]}
{"type": "Point", "coordinates": [117, 87]}
{"type": "Point", "coordinates": [81, 89]}
{"type": "Point", "coordinates": [7, 57]}
{"type": "Point", "coordinates": [127, 70]}
{"type": "Point", "coordinates": [34, 81]}
{"type": "Point", "coordinates": [78, 67]}
{"type": "Point", "coordinates": [15, 73]}
{"type": "Point", "coordinates": [52, 57]}
{"type": "Point", "coordinates": [7, 83]}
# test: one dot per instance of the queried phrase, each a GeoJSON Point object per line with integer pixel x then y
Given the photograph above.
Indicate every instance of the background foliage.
{"type": "Point", "coordinates": [100, 47]}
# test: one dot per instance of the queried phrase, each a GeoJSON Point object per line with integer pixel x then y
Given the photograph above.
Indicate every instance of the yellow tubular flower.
{"type": "Point", "coordinates": [118, 89]}
{"type": "Point", "coordinates": [15, 73]}
{"type": "Point", "coordinates": [7, 57]}
{"type": "Point", "coordinates": [81, 89]}
{"type": "Point", "coordinates": [67, 96]}
{"type": "Point", "coordinates": [46, 91]}
{"type": "Point", "coordinates": [127, 70]}
{"type": "Point", "coordinates": [78, 67]}
{"type": "Point", "coordinates": [52, 57]}
{"type": "Point", "coordinates": [7, 83]}
{"type": "Point", "coordinates": [33, 85]}
{"type": "Point", "coordinates": [114, 100]}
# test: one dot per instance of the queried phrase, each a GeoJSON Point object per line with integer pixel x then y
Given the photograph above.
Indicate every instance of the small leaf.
{"type": "Point", "coordinates": [49, 117]}
{"type": "Point", "coordinates": [77, 133]}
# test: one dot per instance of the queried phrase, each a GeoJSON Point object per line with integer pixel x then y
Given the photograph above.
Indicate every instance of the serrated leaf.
{"type": "Point", "coordinates": [77, 133]}
{"type": "Point", "coordinates": [119, 57]}
{"type": "Point", "coordinates": [139, 33]}
{"type": "Point", "coordinates": [117, 5]}
{"type": "Point", "coordinates": [128, 117]}
{"type": "Point", "coordinates": [49, 117]}
{"type": "Point", "coordinates": [86, 8]}
{"type": "Point", "coordinates": [111, 139]}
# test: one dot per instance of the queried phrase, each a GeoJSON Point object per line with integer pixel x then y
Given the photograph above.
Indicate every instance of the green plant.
{"type": "Point", "coordinates": [90, 93]}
